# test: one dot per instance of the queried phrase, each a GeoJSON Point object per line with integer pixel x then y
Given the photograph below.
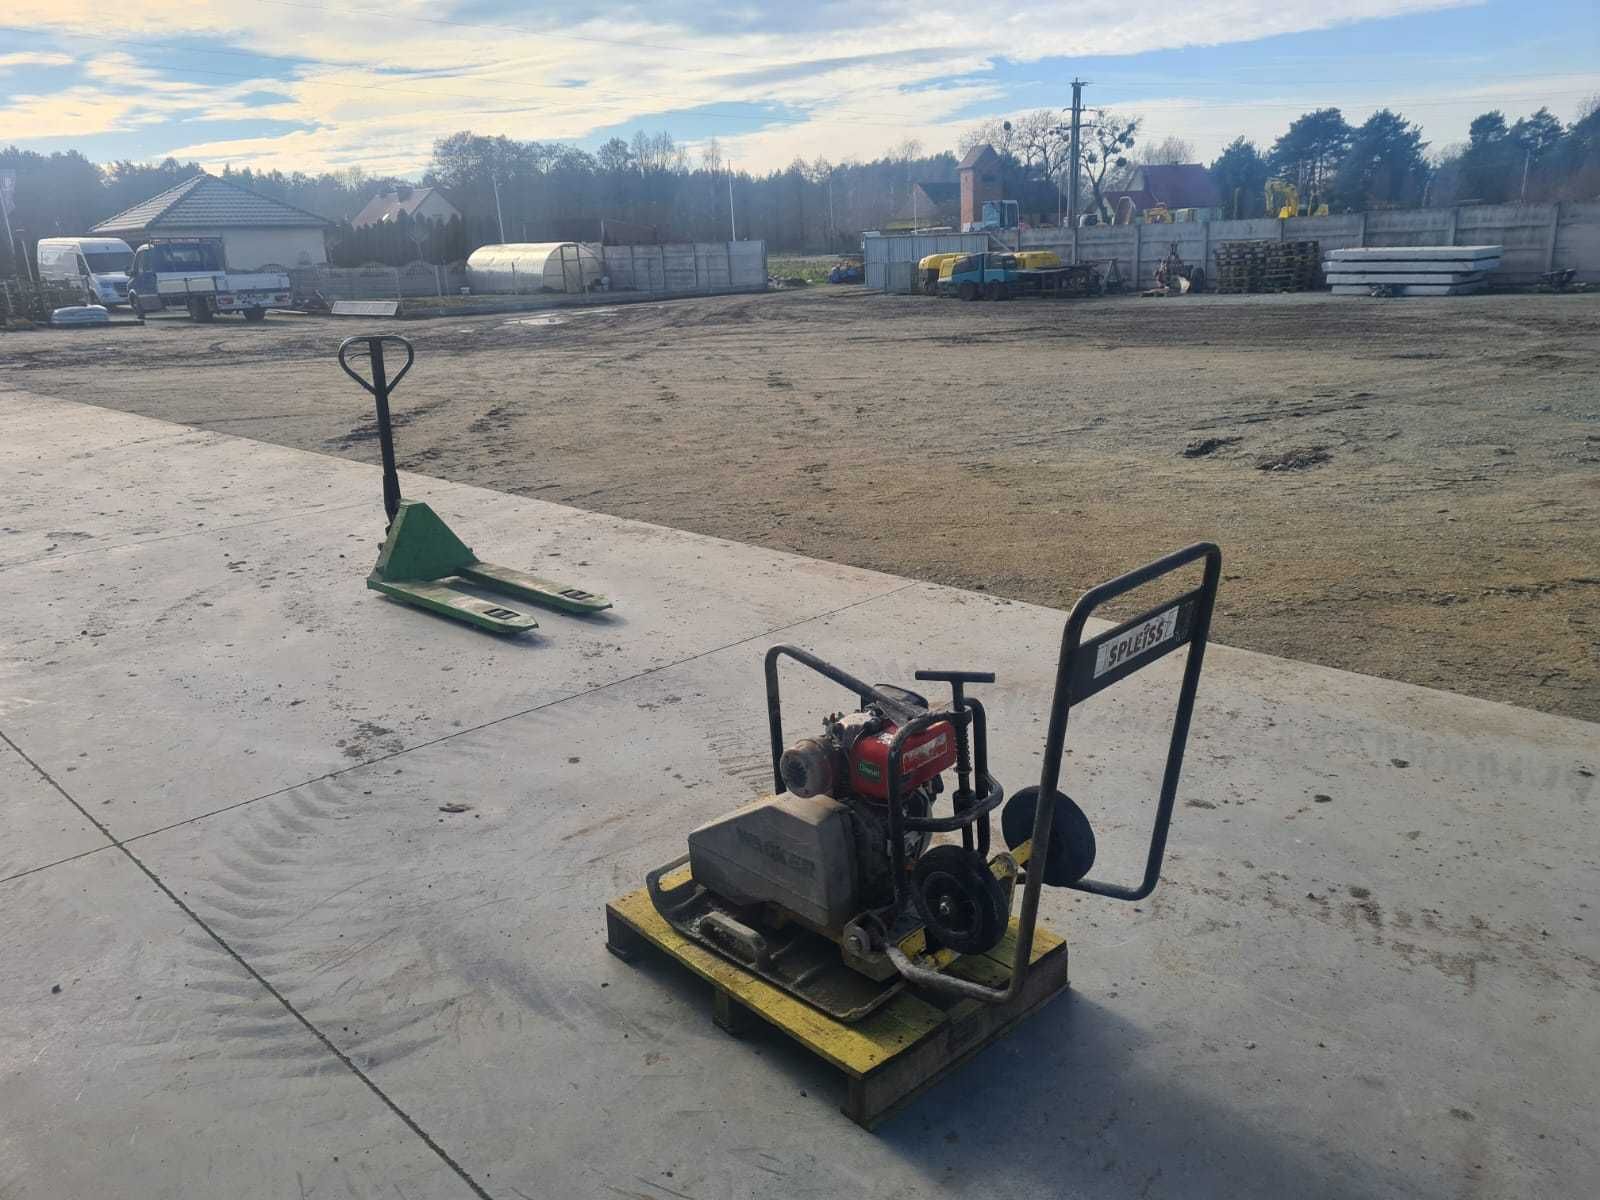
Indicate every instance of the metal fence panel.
{"type": "Point", "coordinates": [880, 249]}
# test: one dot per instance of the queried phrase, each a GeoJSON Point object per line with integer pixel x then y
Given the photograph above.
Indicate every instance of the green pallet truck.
{"type": "Point", "coordinates": [423, 563]}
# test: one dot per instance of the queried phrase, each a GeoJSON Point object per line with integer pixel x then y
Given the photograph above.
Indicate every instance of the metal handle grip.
{"type": "Point", "coordinates": [957, 676]}
{"type": "Point", "coordinates": [373, 340]}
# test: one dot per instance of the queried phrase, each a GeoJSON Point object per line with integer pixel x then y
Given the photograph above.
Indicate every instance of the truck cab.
{"type": "Point", "coordinates": [988, 276]}
{"type": "Point", "coordinates": [192, 273]}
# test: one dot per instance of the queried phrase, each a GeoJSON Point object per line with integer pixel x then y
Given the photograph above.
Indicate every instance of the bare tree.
{"type": "Point", "coordinates": [711, 156]}
{"type": "Point", "coordinates": [996, 131]}
{"type": "Point", "coordinates": [1169, 150]}
{"type": "Point", "coordinates": [1106, 159]}
{"type": "Point", "coordinates": [1043, 142]}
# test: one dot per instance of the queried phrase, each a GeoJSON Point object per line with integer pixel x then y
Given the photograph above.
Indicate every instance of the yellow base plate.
{"type": "Point", "coordinates": [888, 1056]}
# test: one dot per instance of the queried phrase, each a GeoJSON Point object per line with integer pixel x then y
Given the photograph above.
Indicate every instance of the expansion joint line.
{"type": "Point", "coordinates": [523, 712]}
{"type": "Point", "coordinates": [245, 965]}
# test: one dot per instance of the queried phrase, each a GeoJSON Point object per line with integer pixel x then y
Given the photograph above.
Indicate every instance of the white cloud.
{"type": "Point", "coordinates": [26, 58]}
{"type": "Point", "coordinates": [842, 65]}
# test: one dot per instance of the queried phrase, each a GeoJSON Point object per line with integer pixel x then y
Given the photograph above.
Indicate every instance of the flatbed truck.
{"type": "Point", "coordinates": [192, 273]}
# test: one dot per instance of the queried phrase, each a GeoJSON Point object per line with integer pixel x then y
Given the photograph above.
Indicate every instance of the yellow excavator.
{"type": "Point", "coordinates": [1283, 202]}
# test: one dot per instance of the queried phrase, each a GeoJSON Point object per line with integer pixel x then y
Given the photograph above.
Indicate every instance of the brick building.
{"type": "Point", "coordinates": [980, 178]}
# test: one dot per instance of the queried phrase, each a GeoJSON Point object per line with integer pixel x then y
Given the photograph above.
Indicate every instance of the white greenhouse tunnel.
{"type": "Point", "coordinates": [513, 267]}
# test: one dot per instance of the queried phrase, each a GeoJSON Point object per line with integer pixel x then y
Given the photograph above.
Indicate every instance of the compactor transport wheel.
{"type": "Point", "coordinates": [968, 291]}
{"type": "Point", "coordinates": [959, 900]}
{"type": "Point", "coordinates": [991, 290]}
{"type": "Point", "coordinates": [1071, 850]}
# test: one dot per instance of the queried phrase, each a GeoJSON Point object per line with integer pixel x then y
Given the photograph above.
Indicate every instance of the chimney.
{"type": "Point", "coordinates": [402, 193]}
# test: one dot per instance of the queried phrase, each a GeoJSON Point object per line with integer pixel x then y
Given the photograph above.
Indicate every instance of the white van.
{"type": "Point", "coordinates": [98, 265]}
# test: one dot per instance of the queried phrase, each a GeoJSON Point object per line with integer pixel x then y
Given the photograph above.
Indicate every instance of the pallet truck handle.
{"type": "Point", "coordinates": [380, 387]}
{"type": "Point", "coordinates": [375, 340]}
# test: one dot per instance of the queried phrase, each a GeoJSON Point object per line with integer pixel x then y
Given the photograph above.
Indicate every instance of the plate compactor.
{"type": "Point", "coordinates": [828, 910]}
{"type": "Point", "coordinates": [423, 562]}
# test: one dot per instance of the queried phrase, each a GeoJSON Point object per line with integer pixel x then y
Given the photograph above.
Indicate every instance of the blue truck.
{"type": "Point", "coordinates": [192, 273]}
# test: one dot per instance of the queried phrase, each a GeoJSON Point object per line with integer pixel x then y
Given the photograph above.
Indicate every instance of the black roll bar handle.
{"type": "Point", "coordinates": [1066, 695]}
{"type": "Point", "coordinates": [892, 705]}
{"type": "Point", "coordinates": [380, 387]}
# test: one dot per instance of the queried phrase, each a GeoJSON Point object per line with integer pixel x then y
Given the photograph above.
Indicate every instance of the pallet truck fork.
{"type": "Point", "coordinates": [826, 910]}
{"type": "Point", "coordinates": [423, 563]}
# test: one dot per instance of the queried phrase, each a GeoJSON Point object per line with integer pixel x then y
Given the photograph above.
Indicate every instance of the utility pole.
{"type": "Point", "coordinates": [8, 188]}
{"type": "Point", "coordinates": [832, 234]}
{"type": "Point", "coordinates": [498, 219]}
{"type": "Point", "coordinates": [733, 229]}
{"type": "Point", "coordinates": [1527, 157]}
{"type": "Point", "coordinates": [11, 241]}
{"type": "Point", "coordinates": [1076, 153]}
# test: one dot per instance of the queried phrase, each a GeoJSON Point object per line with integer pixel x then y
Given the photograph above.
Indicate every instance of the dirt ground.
{"type": "Point", "coordinates": [1435, 514]}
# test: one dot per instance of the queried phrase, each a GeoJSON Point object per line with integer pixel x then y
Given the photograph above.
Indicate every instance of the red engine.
{"type": "Point", "coordinates": [852, 756]}
{"type": "Point", "coordinates": [923, 756]}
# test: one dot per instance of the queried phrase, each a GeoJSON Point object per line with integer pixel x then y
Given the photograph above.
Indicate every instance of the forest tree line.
{"type": "Point", "coordinates": [547, 190]}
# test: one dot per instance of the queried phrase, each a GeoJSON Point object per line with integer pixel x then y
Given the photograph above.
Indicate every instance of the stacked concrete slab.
{"type": "Point", "coordinates": [1411, 270]}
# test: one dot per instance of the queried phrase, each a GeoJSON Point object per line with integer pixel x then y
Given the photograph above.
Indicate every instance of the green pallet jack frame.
{"type": "Point", "coordinates": [423, 563]}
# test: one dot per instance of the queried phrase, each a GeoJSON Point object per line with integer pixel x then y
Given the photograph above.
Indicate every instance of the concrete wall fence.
{"type": "Point", "coordinates": [1537, 238]}
{"type": "Point", "coordinates": [687, 269]}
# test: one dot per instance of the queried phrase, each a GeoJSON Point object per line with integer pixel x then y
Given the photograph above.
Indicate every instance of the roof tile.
{"type": "Point", "coordinates": [206, 202]}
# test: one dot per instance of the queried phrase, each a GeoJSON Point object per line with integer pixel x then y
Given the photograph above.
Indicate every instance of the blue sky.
{"type": "Point", "coordinates": [314, 85]}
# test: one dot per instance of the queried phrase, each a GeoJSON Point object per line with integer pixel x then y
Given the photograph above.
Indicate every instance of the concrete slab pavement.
{"type": "Point", "coordinates": [249, 655]}
{"type": "Point", "coordinates": [1370, 969]}
{"type": "Point", "coordinates": [139, 1058]}
{"type": "Point", "coordinates": [39, 830]}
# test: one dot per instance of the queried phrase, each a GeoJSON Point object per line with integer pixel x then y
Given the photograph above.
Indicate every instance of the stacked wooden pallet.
{"type": "Point", "coordinates": [23, 300]}
{"type": "Point", "coordinates": [1411, 270]}
{"type": "Point", "coordinates": [1267, 266]}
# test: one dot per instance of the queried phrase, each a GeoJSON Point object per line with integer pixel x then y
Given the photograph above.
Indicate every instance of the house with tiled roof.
{"type": "Point", "coordinates": [418, 203]}
{"type": "Point", "coordinates": [256, 231]}
{"type": "Point", "coordinates": [930, 206]}
{"type": "Point", "coordinates": [1174, 185]}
